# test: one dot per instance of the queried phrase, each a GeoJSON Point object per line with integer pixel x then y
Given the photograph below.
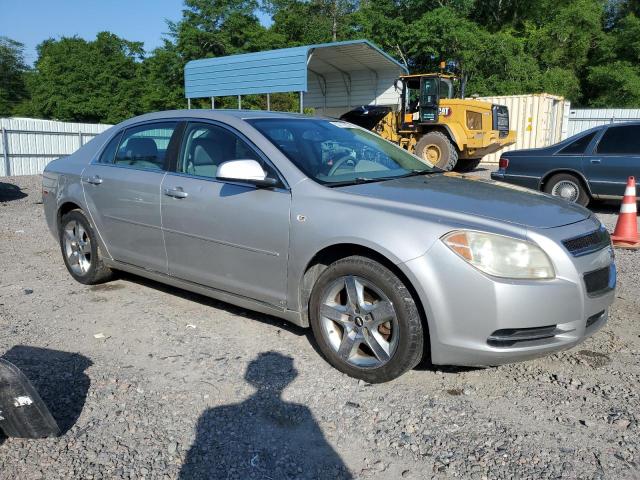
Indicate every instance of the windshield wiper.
{"type": "Point", "coordinates": [360, 180]}
{"type": "Point", "coordinates": [355, 181]}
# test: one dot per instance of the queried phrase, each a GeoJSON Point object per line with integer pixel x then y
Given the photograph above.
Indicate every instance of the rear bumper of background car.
{"type": "Point", "coordinates": [478, 320]}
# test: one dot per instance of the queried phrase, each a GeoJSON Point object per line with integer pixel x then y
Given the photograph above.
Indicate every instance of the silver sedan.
{"type": "Point", "coordinates": [324, 224]}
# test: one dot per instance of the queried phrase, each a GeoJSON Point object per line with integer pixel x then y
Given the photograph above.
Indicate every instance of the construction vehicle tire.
{"type": "Point", "coordinates": [467, 165]}
{"type": "Point", "coordinates": [436, 148]}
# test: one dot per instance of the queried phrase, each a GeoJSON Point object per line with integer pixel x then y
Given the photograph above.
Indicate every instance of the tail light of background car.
{"type": "Point", "coordinates": [503, 163]}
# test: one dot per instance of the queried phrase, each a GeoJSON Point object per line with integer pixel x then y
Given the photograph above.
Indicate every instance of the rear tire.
{"type": "Point", "coordinates": [376, 337]}
{"type": "Point", "coordinates": [436, 148]}
{"type": "Point", "coordinates": [467, 165]}
{"type": "Point", "coordinates": [80, 250]}
{"type": "Point", "coordinates": [569, 187]}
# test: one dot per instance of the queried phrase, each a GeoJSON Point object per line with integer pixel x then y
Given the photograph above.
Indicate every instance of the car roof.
{"type": "Point", "coordinates": [218, 114]}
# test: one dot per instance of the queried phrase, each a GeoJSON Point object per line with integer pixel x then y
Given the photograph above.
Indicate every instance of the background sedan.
{"type": "Point", "coordinates": [593, 164]}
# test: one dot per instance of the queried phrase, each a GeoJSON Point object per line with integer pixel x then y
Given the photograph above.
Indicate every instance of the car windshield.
{"type": "Point", "coordinates": [338, 153]}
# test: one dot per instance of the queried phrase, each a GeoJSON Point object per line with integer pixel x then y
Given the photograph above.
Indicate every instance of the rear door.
{"type": "Point", "coordinates": [226, 235]}
{"type": "Point", "coordinates": [614, 158]}
{"type": "Point", "coordinates": [122, 189]}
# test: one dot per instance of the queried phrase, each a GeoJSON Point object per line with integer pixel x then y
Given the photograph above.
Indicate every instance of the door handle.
{"type": "Point", "coordinates": [596, 161]}
{"type": "Point", "coordinates": [175, 192]}
{"type": "Point", "coordinates": [95, 180]}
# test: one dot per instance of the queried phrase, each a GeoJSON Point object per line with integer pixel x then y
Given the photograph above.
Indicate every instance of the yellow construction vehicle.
{"type": "Point", "coordinates": [436, 122]}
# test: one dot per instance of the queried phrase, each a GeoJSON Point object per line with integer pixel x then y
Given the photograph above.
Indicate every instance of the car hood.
{"type": "Point", "coordinates": [475, 196]}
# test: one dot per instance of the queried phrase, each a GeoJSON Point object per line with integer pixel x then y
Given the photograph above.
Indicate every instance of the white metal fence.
{"type": "Point", "coordinates": [586, 118]}
{"type": "Point", "coordinates": [27, 145]}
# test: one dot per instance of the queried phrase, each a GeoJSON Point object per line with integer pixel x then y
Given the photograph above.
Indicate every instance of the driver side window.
{"type": "Point", "coordinates": [205, 147]}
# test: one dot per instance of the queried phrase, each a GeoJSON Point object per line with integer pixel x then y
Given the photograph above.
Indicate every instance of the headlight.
{"type": "Point", "coordinates": [500, 256]}
{"type": "Point", "coordinates": [474, 120]}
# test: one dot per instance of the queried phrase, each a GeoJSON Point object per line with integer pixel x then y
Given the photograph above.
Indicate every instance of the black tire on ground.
{"type": "Point", "coordinates": [448, 154]}
{"type": "Point", "coordinates": [467, 165]}
{"type": "Point", "coordinates": [565, 182]}
{"type": "Point", "coordinates": [411, 336]}
{"type": "Point", "coordinates": [97, 272]}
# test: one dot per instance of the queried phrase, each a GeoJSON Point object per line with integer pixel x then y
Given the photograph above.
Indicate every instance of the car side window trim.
{"type": "Point", "coordinates": [587, 149]}
{"type": "Point", "coordinates": [175, 136]}
{"type": "Point", "coordinates": [98, 157]}
{"type": "Point", "coordinates": [191, 121]}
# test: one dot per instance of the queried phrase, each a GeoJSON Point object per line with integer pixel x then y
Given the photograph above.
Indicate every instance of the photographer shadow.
{"type": "Point", "coordinates": [264, 436]}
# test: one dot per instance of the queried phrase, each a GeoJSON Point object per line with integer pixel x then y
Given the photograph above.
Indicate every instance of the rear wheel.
{"type": "Point", "coordinates": [467, 165]}
{"type": "Point", "coordinates": [365, 320]}
{"type": "Point", "coordinates": [436, 148]}
{"type": "Point", "coordinates": [80, 249]}
{"type": "Point", "coordinates": [568, 187]}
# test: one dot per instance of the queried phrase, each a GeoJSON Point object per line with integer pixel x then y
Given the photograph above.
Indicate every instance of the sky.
{"type": "Point", "coordinates": [32, 21]}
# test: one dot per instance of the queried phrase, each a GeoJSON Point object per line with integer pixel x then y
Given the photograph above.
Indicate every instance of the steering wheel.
{"type": "Point", "coordinates": [338, 163]}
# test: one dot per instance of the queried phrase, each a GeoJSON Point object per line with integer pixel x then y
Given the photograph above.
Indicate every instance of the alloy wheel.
{"type": "Point", "coordinates": [77, 247]}
{"type": "Point", "coordinates": [359, 322]}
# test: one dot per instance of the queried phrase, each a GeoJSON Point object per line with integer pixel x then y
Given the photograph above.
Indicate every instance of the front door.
{"type": "Point", "coordinates": [613, 160]}
{"type": "Point", "coordinates": [122, 190]}
{"type": "Point", "coordinates": [230, 236]}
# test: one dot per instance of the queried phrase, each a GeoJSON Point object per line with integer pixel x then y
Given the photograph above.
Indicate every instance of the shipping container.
{"type": "Point", "coordinates": [538, 119]}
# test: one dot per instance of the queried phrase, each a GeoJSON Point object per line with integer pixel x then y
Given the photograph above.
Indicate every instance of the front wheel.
{"type": "Point", "coordinates": [365, 320]}
{"type": "Point", "coordinates": [568, 187]}
{"type": "Point", "coordinates": [436, 148]}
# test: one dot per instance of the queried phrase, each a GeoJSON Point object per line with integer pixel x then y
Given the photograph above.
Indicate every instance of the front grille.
{"type": "Point", "coordinates": [589, 243]}
{"type": "Point", "coordinates": [598, 281]}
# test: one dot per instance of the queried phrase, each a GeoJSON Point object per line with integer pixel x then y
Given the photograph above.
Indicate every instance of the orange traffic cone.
{"type": "Point", "coordinates": [626, 233]}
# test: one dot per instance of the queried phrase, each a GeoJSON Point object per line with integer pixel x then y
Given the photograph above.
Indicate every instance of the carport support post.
{"type": "Point", "coordinates": [301, 102]}
{"type": "Point", "coordinates": [5, 152]}
{"type": "Point", "coordinates": [189, 103]}
{"type": "Point", "coordinates": [213, 103]}
{"type": "Point", "coordinates": [268, 102]}
{"type": "Point", "coordinates": [239, 102]}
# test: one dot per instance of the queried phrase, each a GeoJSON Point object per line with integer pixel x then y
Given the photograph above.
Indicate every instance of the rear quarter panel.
{"type": "Point", "coordinates": [62, 180]}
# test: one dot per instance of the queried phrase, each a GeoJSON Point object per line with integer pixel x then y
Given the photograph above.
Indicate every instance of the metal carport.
{"type": "Point", "coordinates": [331, 77]}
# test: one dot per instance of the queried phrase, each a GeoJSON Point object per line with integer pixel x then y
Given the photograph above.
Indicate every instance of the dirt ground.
{"type": "Point", "coordinates": [148, 381]}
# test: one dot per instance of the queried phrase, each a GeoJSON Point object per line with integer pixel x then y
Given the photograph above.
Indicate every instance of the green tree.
{"type": "Point", "coordinates": [12, 75]}
{"type": "Point", "coordinates": [162, 76]}
{"type": "Point", "coordinates": [88, 81]}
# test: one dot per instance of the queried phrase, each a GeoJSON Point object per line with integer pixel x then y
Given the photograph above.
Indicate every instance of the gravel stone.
{"type": "Point", "coordinates": [246, 396]}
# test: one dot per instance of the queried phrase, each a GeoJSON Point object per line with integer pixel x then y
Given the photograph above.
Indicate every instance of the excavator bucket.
{"type": "Point", "coordinates": [366, 116]}
{"type": "Point", "coordinates": [23, 414]}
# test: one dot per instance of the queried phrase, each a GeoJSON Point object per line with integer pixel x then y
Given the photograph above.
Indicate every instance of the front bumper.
{"type": "Point", "coordinates": [467, 310]}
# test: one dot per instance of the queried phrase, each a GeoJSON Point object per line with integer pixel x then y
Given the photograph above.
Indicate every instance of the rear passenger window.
{"type": "Point", "coordinates": [110, 151]}
{"type": "Point", "coordinates": [145, 146]}
{"type": "Point", "coordinates": [205, 147]}
{"type": "Point", "coordinates": [623, 140]}
{"type": "Point", "coordinates": [579, 146]}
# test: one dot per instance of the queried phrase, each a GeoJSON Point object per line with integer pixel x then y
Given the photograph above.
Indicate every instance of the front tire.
{"type": "Point", "coordinates": [365, 320]}
{"type": "Point", "coordinates": [80, 251]}
{"type": "Point", "coordinates": [569, 187]}
{"type": "Point", "coordinates": [436, 148]}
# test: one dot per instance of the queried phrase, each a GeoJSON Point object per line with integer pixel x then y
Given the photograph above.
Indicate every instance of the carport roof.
{"type": "Point", "coordinates": [283, 70]}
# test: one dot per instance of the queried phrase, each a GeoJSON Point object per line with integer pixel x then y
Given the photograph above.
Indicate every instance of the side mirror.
{"type": "Point", "coordinates": [247, 171]}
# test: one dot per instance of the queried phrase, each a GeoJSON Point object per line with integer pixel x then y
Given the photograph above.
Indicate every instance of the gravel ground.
{"type": "Point", "coordinates": [180, 386]}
